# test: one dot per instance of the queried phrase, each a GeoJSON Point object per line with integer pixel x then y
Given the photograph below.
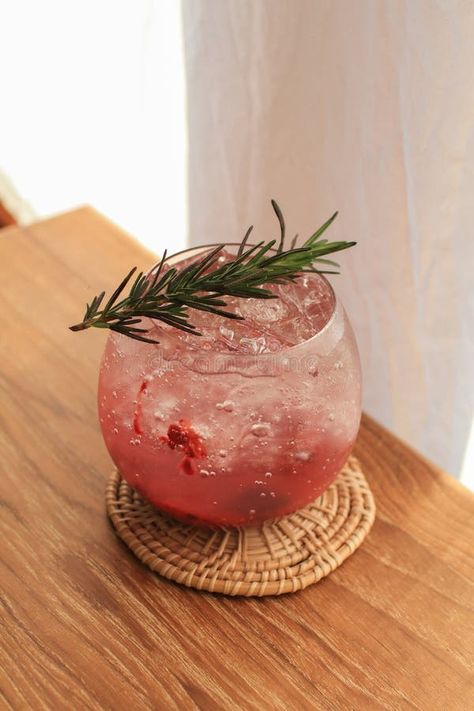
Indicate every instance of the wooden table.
{"type": "Point", "coordinates": [86, 626]}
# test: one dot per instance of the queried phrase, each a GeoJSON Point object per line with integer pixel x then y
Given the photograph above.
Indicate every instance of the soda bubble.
{"type": "Point", "coordinates": [227, 405]}
{"type": "Point", "coordinates": [261, 429]}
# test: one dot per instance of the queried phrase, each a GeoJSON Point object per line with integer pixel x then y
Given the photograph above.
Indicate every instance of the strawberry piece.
{"type": "Point", "coordinates": [181, 436]}
{"type": "Point", "coordinates": [187, 466]}
{"type": "Point", "coordinates": [137, 415]}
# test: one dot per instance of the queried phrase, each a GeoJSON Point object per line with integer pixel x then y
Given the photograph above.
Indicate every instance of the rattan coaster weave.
{"type": "Point", "coordinates": [280, 556]}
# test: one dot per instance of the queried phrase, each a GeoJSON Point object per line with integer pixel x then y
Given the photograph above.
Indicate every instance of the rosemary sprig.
{"type": "Point", "coordinates": [169, 295]}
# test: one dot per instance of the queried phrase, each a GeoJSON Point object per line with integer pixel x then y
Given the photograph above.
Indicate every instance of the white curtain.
{"type": "Point", "coordinates": [367, 107]}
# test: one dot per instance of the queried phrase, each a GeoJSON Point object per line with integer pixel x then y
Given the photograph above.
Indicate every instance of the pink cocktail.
{"type": "Point", "coordinates": [250, 421]}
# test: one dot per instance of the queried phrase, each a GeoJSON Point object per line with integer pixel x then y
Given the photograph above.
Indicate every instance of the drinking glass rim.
{"type": "Point", "coordinates": [233, 354]}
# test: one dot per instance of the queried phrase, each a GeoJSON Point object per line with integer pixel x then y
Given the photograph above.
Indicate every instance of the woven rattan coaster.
{"type": "Point", "coordinates": [280, 556]}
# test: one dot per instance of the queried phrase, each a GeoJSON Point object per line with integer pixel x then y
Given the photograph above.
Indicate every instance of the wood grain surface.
{"type": "Point", "coordinates": [86, 626]}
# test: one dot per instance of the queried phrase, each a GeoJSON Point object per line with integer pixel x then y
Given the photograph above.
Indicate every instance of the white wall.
{"type": "Point", "coordinates": [93, 110]}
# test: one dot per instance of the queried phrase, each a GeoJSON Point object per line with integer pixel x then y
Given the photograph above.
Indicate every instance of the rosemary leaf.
{"type": "Point", "coordinates": [169, 294]}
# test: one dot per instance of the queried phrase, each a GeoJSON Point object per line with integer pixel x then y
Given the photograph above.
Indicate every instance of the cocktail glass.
{"type": "Point", "coordinates": [250, 421]}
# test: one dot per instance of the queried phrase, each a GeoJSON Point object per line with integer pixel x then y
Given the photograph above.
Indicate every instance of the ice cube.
{"type": "Point", "coordinates": [254, 346]}
{"type": "Point", "coordinates": [227, 334]}
{"type": "Point", "coordinates": [263, 311]}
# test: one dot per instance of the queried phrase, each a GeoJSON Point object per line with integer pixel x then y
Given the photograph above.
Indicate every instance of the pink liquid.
{"type": "Point", "coordinates": [249, 422]}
